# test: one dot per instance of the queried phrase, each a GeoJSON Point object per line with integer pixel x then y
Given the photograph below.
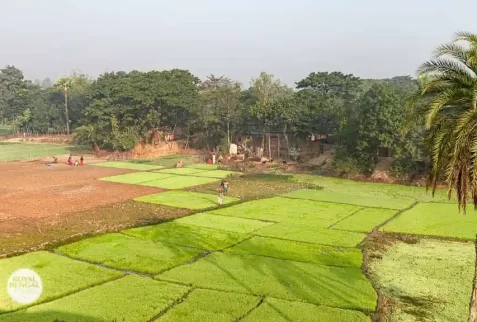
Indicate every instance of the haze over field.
{"type": "Point", "coordinates": [369, 38]}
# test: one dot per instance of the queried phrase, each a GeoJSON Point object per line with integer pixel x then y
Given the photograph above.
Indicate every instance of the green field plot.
{"type": "Point", "coordinates": [277, 209]}
{"type": "Point", "coordinates": [203, 166]}
{"type": "Point", "coordinates": [284, 311]}
{"type": "Point", "coordinates": [185, 199]}
{"type": "Point", "coordinates": [27, 151]}
{"type": "Point", "coordinates": [182, 171]}
{"type": "Point", "coordinates": [211, 306]}
{"type": "Point", "coordinates": [373, 190]}
{"type": "Point", "coordinates": [179, 182]}
{"type": "Point", "coordinates": [136, 177]}
{"type": "Point", "coordinates": [221, 174]}
{"type": "Point", "coordinates": [331, 286]}
{"type": "Point", "coordinates": [239, 225]}
{"type": "Point", "coordinates": [127, 165]}
{"type": "Point", "coordinates": [431, 279]}
{"type": "Point", "coordinates": [168, 161]}
{"type": "Point", "coordinates": [436, 220]}
{"type": "Point", "coordinates": [132, 299]}
{"type": "Point", "coordinates": [365, 219]}
{"type": "Point", "coordinates": [303, 252]}
{"type": "Point", "coordinates": [188, 235]}
{"type": "Point", "coordinates": [322, 195]}
{"type": "Point", "coordinates": [312, 235]}
{"type": "Point", "coordinates": [130, 253]}
{"type": "Point", "coordinates": [60, 276]}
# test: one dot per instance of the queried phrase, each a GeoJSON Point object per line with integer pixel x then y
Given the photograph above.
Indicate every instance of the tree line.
{"type": "Point", "coordinates": [119, 108]}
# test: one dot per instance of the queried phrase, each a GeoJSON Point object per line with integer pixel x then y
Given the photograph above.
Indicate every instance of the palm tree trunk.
{"type": "Point", "coordinates": [473, 303]}
{"type": "Point", "coordinates": [228, 134]}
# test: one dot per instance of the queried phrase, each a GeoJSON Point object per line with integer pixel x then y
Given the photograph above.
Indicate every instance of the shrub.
{"type": "Point", "coordinates": [403, 168]}
{"type": "Point", "coordinates": [345, 164]}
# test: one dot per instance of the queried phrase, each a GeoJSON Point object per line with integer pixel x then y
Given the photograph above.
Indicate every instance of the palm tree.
{"type": "Point", "coordinates": [448, 94]}
{"type": "Point", "coordinates": [65, 83]}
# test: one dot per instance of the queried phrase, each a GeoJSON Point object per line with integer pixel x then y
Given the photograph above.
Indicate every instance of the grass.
{"type": "Point", "coordinates": [303, 252]}
{"type": "Point", "coordinates": [307, 234]}
{"type": "Point", "coordinates": [238, 225]}
{"type": "Point", "coordinates": [60, 276]}
{"type": "Point", "coordinates": [207, 305]}
{"type": "Point", "coordinates": [24, 234]}
{"type": "Point", "coordinates": [130, 253]}
{"type": "Point", "coordinates": [253, 186]}
{"type": "Point", "coordinates": [365, 219]}
{"type": "Point", "coordinates": [435, 220]}
{"type": "Point", "coordinates": [430, 280]}
{"type": "Point", "coordinates": [365, 201]}
{"type": "Point", "coordinates": [294, 211]}
{"type": "Point", "coordinates": [203, 166]}
{"type": "Point", "coordinates": [132, 299]}
{"type": "Point", "coordinates": [371, 189]}
{"type": "Point", "coordinates": [220, 174]}
{"type": "Point", "coordinates": [136, 177]}
{"type": "Point", "coordinates": [26, 151]}
{"type": "Point", "coordinates": [185, 199]}
{"type": "Point", "coordinates": [332, 286]}
{"type": "Point", "coordinates": [284, 311]}
{"type": "Point", "coordinates": [182, 171]}
{"type": "Point", "coordinates": [179, 182]}
{"type": "Point", "coordinates": [188, 235]}
{"type": "Point", "coordinates": [127, 165]}
{"type": "Point", "coordinates": [168, 161]}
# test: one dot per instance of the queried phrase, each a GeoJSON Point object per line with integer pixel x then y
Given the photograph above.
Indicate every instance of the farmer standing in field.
{"type": "Point", "coordinates": [221, 195]}
{"type": "Point", "coordinates": [225, 186]}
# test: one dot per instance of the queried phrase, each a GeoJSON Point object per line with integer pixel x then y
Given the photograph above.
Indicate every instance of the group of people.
{"type": "Point", "coordinates": [76, 163]}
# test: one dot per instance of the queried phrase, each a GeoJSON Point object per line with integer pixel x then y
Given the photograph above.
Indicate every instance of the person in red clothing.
{"type": "Point", "coordinates": [81, 161]}
{"type": "Point", "coordinates": [70, 161]}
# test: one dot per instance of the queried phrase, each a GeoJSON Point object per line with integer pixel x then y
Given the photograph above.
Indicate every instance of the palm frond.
{"type": "Point", "coordinates": [466, 36]}
{"type": "Point", "coordinates": [453, 50]}
{"type": "Point", "coordinates": [452, 69]}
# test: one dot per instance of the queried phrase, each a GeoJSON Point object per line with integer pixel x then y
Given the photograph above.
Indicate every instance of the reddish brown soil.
{"type": "Point", "coordinates": [33, 190]}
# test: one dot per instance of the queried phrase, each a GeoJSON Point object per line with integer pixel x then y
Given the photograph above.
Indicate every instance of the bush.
{"type": "Point", "coordinates": [403, 168]}
{"type": "Point", "coordinates": [346, 164]}
{"type": "Point", "coordinates": [124, 140]}
{"type": "Point", "coordinates": [86, 134]}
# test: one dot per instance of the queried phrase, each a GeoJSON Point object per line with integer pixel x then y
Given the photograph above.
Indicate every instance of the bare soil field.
{"type": "Point", "coordinates": [32, 189]}
{"type": "Point", "coordinates": [42, 205]}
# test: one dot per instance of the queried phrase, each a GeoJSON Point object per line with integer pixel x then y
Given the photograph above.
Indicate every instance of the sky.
{"type": "Point", "coordinates": [239, 38]}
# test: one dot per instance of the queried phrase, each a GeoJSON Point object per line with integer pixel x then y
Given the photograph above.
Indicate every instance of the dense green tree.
{"type": "Point", "coordinates": [326, 101]}
{"type": "Point", "coordinates": [137, 102]}
{"type": "Point", "coordinates": [221, 98]}
{"type": "Point", "coordinates": [271, 100]}
{"type": "Point", "coordinates": [13, 91]}
{"type": "Point", "coordinates": [378, 123]}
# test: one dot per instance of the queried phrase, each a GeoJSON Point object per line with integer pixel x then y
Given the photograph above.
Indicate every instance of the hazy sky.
{"type": "Point", "coordinates": [239, 38]}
